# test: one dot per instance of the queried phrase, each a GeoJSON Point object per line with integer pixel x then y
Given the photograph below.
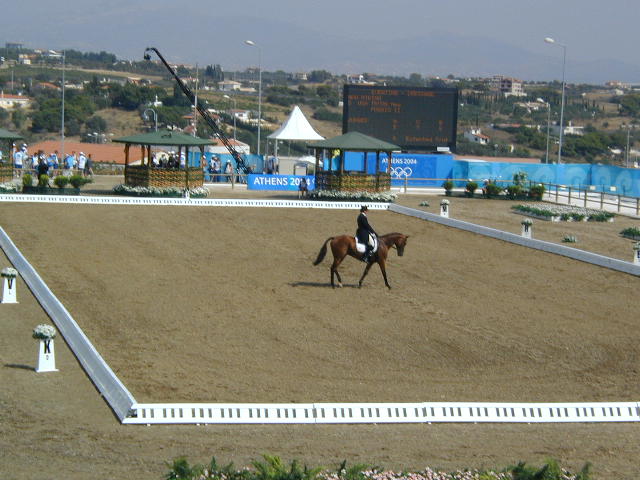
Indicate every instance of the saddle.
{"type": "Point", "coordinates": [361, 247]}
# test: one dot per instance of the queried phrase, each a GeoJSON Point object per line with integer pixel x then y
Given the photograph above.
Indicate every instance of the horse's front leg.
{"type": "Point", "coordinates": [364, 274]}
{"type": "Point", "coordinates": [384, 274]}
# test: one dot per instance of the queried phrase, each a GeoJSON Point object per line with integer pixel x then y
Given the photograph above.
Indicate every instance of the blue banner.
{"type": "Point", "coordinates": [279, 182]}
{"type": "Point", "coordinates": [414, 169]}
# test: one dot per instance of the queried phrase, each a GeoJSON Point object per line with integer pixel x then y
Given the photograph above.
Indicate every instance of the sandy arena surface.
{"type": "Point", "coordinates": [209, 304]}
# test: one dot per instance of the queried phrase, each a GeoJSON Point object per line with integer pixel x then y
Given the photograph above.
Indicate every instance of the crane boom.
{"type": "Point", "coordinates": [240, 163]}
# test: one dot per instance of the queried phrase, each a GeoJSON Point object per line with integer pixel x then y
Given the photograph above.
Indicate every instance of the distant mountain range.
{"type": "Point", "coordinates": [292, 47]}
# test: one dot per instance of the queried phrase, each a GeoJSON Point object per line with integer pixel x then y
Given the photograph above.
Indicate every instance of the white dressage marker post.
{"type": "Point", "coordinates": [9, 276]}
{"type": "Point", "coordinates": [444, 208]}
{"type": "Point", "coordinates": [636, 253]}
{"type": "Point", "coordinates": [46, 351]}
{"type": "Point", "coordinates": [526, 228]}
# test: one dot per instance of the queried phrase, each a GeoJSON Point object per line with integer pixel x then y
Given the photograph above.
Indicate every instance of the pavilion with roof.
{"type": "Point", "coordinates": [148, 175]}
{"type": "Point", "coordinates": [6, 145]}
{"type": "Point", "coordinates": [339, 179]}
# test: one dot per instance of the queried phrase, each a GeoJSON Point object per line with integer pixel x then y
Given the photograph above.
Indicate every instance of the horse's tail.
{"type": "Point", "coordinates": [323, 251]}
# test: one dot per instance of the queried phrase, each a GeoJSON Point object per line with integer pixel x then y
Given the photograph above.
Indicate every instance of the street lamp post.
{"type": "Point", "coordinates": [546, 157]}
{"type": "Point", "coordinates": [155, 116]}
{"type": "Point", "coordinates": [629, 127]}
{"type": "Point", "coordinates": [233, 114]}
{"type": "Point", "coordinates": [251, 43]}
{"type": "Point", "coordinates": [61, 55]}
{"type": "Point", "coordinates": [564, 62]}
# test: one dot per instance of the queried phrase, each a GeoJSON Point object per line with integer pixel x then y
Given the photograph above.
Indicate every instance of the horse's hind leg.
{"type": "Point", "coordinates": [334, 270]}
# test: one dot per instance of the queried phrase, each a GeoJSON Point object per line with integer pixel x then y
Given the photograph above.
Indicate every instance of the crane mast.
{"type": "Point", "coordinates": [240, 163]}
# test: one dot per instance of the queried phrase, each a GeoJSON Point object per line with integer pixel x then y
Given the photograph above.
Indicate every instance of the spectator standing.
{"type": "Point", "coordinates": [17, 162]}
{"type": "Point", "coordinates": [303, 188]}
{"type": "Point", "coordinates": [88, 167]}
{"type": "Point", "coordinates": [52, 161]}
{"type": "Point", "coordinates": [42, 168]}
{"type": "Point", "coordinates": [70, 162]}
{"type": "Point", "coordinates": [271, 165]}
{"type": "Point", "coordinates": [228, 171]}
{"type": "Point", "coordinates": [171, 163]}
{"type": "Point", "coordinates": [183, 160]}
{"type": "Point", "coordinates": [82, 161]}
{"type": "Point", "coordinates": [35, 162]}
{"type": "Point", "coordinates": [216, 168]}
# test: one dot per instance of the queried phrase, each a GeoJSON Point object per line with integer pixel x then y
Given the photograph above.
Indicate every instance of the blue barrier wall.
{"type": "Point", "coordinates": [411, 168]}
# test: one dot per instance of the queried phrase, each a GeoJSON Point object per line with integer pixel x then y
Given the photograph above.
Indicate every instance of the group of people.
{"type": "Point", "coordinates": [170, 160]}
{"type": "Point", "coordinates": [219, 174]}
{"type": "Point", "coordinates": [51, 164]}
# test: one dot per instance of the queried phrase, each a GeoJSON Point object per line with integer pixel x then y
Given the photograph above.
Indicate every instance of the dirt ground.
{"type": "Point", "coordinates": [210, 304]}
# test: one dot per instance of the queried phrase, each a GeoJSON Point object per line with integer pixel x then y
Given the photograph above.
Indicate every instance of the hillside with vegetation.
{"type": "Point", "coordinates": [107, 97]}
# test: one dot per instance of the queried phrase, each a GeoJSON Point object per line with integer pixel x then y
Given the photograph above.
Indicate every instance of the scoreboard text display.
{"type": "Point", "coordinates": [413, 118]}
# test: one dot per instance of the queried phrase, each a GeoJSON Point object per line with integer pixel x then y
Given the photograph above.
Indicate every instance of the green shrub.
{"type": "Point", "coordinates": [551, 470]}
{"type": "Point", "coordinates": [273, 468]}
{"type": "Point", "coordinates": [536, 192]}
{"type": "Point", "coordinates": [27, 180]}
{"type": "Point", "coordinates": [631, 232]}
{"type": "Point", "coordinates": [514, 191]}
{"type": "Point", "coordinates": [61, 181]}
{"type": "Point", "coordinates": [601, 217]}
{"type": "Point", "coordinates": [43, 181]}
{"type": "Point", "coordinates": [492, 190]}
{"type": "Point", "coordinates": [448, 186]}
{"type": "Point", "coordinates": [470, 188]}
{"type": "Point", "coordinates": [78, 181]}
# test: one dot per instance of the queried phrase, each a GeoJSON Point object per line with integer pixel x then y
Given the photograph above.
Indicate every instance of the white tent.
{"type": "Point", "coordinates": [296, 128]}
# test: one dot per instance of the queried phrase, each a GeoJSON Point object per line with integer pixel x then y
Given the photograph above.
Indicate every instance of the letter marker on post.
{"type": "Point", "coordinates": [636, 253]}
{"type": "Point", "coordinates": [9, 275]}
{"type": "Point", "coordinates": [526, 228]}
{"type": "Point", "coordinates": [46, 352]}
{"type": "Point", "coordinates": [444, 208]}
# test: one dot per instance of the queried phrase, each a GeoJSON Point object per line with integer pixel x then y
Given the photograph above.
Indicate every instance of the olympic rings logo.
{"type": "Point", "coordinates": [401, 172]}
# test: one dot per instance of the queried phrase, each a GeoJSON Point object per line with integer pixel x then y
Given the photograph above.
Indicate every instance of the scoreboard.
{"type": "Point", "coordinates": [414, 118]}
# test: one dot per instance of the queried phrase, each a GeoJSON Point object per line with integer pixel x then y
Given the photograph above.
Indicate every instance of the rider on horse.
{"type": "Point", "coordinates": [364, 232]}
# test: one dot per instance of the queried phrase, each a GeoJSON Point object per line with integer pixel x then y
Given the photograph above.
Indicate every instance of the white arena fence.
{"type": "Point", "coordinates": [193, 202]}
{"type": "Point", "coordinates": [437, 412]}
{"type": "Point", "coordinates": [129, 411]}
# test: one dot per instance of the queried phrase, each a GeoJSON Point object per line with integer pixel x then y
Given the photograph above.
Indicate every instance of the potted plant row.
{"type": "Point", "coordinates": [61, 183]}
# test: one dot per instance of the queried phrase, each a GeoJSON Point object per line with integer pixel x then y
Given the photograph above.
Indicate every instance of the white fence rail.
{"type": "Point", "coordinates": [191, 202]}
{"type": "Point", "coordinates": [331, 413]}
{"type": "Point", "coordinates": [105, 380]}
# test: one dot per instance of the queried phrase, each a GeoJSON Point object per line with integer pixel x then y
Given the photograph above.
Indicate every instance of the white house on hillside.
{"type": "Point", "coordinates": [9, 102]}
{"type": "Point", "coordinates": [229, 85]}
{"type": "Point", "coordinates": [567, 130]}
{"type": "Point", "coordinates": [475, 135]}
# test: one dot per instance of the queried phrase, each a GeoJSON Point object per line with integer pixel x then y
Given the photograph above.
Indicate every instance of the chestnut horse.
{"type": "Point", "coordinates": [346, 245]}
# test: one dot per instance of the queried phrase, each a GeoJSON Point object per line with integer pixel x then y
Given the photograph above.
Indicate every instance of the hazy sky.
{"type": "Point", "coordinates": [591, 29]}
